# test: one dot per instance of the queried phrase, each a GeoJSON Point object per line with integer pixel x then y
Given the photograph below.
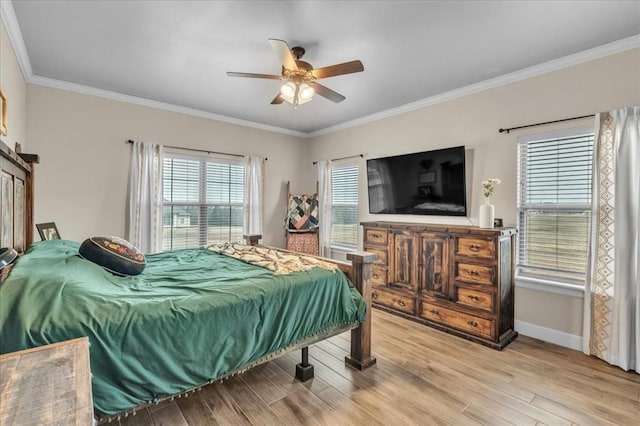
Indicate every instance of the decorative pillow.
{"type": "Point", "coordinates": [113, 254]}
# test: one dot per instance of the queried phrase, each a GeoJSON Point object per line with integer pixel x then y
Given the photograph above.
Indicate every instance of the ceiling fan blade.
{"type": "Point", "coordinates": [339, 69]}
{"type": "Point", "coordinates": [277, 100]}
{"type": "Point", "coordinates": [284, 53]}
{"type": "Point", "coordinates": [326, 92]}
{"type": "Point", "coordinates": [250, 75]}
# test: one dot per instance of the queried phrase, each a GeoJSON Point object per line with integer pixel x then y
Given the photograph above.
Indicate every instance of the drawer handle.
{"type": "Point", "coordinates": [376, 235]}
{"type": "Point", "coordinates": [474, 247]}
{"type": "Point", "coordinates": [374, 295]}
{"type": "Point", "coordinates": [476, 298]}
{"type": "Point", "coordinates": [473, 273]}
{"type": "Point", "coordinates": [434, 311]}
{"type": "Point", "coordinates": [375, 275]}
{"type": "Point", "coordinates": [472, 323]}
{"type": "Point", "coordinates": [400, 302]}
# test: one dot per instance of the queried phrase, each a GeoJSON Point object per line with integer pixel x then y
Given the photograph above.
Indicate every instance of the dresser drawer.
{"type": "Point", "coordinates": [475, 274]}
{"type": "Point", "coordinates": [376, 236]}
{"type": "Point", "coordinates": [474, 299]}
{"type": "Point", "coordinates": [461, 321]}
{"type": "Point", "coordinates": [378, 275]}
{"type": "Point", "coordinates": [475, 247]}
{"type": "Point", "coordinates": [394, 301]}
{"type": "Point", "coordinates": [381, 253]}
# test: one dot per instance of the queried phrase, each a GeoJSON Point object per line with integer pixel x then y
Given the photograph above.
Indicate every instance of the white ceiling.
{"type": "Point", "coordinates": [177, 52]}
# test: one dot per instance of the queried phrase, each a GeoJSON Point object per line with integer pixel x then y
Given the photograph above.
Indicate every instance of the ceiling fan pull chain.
{"type": "Point", "coordinates": [295, 97]}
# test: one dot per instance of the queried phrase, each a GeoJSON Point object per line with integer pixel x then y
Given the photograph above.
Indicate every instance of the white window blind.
{"type": "Point", "coordinates": [202, 201]}
{"type": "Point", "coordinates": [554, 207]}
{"type": "Point", "coordinates": [344, 206]}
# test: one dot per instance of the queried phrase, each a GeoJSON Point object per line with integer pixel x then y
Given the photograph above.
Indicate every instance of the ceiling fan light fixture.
{"type": "Point", "coordinates": [288, 91]}
{"type": "Point", "coordinates": [306, 92]}
{"type": "Point", "coordinates": [297, 93]}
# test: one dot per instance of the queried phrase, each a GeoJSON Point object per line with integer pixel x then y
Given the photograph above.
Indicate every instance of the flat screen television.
{"type": "Point", "coordinates": [430, 183]}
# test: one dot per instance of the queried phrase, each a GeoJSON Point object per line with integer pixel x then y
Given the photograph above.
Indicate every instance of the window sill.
{"type": "Point", "coordinates": [343, 249]}
{"type": "Point", "coordinates": [549, 286]}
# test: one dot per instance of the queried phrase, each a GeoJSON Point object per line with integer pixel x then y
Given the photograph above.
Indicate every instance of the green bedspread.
{"type": "Point", "coordinates": [191, 316]}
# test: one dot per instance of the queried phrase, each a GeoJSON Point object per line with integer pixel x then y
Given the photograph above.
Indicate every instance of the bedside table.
{"type": "Point", "coordinates": [47, 385]}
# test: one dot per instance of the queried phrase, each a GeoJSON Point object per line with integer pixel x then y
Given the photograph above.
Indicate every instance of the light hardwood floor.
{"type": "Point", "coordinates": [423, 377]}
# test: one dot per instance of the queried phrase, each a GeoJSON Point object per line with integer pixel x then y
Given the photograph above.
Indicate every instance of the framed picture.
{"type": "Point", "coordinates": [48, 231]}
{"type": "Point", "coordinates": [427, 177]}
{"type": "Point", "coordinates": [3, 113]}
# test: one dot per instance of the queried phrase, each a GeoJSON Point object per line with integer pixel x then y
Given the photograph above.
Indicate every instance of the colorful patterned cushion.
{"type": "Point", "coordinates": [113, 254]}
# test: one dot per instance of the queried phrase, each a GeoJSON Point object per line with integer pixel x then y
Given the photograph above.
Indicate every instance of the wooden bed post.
{"type": "Point", "coordinates": [32, 160]}
{"type": "Point", "coordinates": [252, 239]}
{"type": "Point", "coordinates": [304, 370]}
{"type": "Point", "coordinates": [360, 356]}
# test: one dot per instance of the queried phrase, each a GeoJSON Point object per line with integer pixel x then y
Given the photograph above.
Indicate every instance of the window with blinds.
{"type": "Point", "coordinates": [202, 201]}
{"type": "Point", "coordinates": [554, 206]}
{"type": "Point", "coordinates": [344, 206]}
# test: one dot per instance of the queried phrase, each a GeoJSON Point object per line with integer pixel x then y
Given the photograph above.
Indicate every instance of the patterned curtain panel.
{"type": "Point", "coordinates": [144, 205]}
{"type": "Point", "coordinates": [612, 297]}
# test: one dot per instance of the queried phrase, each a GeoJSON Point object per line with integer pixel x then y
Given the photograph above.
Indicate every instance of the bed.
{"type": "Point", "coordinates": [191, 318]}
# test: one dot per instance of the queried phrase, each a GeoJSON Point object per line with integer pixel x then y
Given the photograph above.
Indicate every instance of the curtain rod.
{"type": "Point", "coordinates": [546, 122]}
{"type": "Point", "coordinates": [344, 158]}
{"type": "Point", "coordinates": [199, 150]}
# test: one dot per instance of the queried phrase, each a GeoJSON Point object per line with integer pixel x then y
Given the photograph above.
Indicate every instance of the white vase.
{"type": "Point", "coordinates": [487, 213]}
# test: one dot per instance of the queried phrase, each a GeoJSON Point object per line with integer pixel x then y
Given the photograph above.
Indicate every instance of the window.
{"type": "Point", "coordinates": [554, 206]}
{"type": "Point", "coordinates": [344, 206]}
{"type": "Point", "coordinates": [202, 201]}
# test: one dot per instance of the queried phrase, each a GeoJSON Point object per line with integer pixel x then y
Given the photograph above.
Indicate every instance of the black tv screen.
{"type": "Point", "coordinates": [430, 183]}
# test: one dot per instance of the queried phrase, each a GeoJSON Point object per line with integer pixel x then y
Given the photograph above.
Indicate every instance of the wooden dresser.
{"type": "Point", "coordinates": [458, 279]}
{"type": "Point", "coordinates": [47, 385]}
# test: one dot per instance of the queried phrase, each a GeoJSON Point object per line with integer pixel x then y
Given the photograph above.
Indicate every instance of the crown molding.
{"type": "Point", "coordinates": [533, 71]}
{"type": "Point", "coordinates": [10, 22]}
{"type": "Point", "coordinates": [115, 96]}
{"type": "Point", "coordinates": [15, 37]}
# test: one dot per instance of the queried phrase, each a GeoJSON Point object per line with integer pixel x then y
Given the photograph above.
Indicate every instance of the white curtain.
{"type": "Point", "coordinates": [253, 194]}
{"type": "Point", "coordinates": [145, 197]}
{"type": "Point", "coordinates": [612, 298]}
{"type": "Point", "coordinates": [324, 207]}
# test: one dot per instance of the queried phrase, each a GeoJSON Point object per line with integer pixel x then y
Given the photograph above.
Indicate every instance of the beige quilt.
{"type": "Point", "coordinates": [280, 262]}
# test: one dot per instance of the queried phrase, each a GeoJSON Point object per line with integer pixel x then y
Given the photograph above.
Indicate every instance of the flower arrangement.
{"type": "Point", "coordinates": [489, 185]}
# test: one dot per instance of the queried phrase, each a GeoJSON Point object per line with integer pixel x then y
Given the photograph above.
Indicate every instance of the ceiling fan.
{"type": "Point", "coordinates": [301, 78]}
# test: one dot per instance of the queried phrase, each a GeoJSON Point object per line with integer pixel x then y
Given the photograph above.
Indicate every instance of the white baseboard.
{"type": "Point", "coordinates": [550, 335]}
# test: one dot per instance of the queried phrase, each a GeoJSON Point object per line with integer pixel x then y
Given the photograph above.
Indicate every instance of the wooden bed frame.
{"type": "Point", "coordinates": [16, 196]}
{"type": "Point", "coordinates": [17, 173]}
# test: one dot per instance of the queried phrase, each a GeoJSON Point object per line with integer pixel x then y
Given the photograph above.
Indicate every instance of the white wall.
{"type": "Point", "coordinates": [81, 181]}
{"type": "Point", "coordinates": [473, 121]}
{"type": "Point", "coordinates": [15, 90]}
